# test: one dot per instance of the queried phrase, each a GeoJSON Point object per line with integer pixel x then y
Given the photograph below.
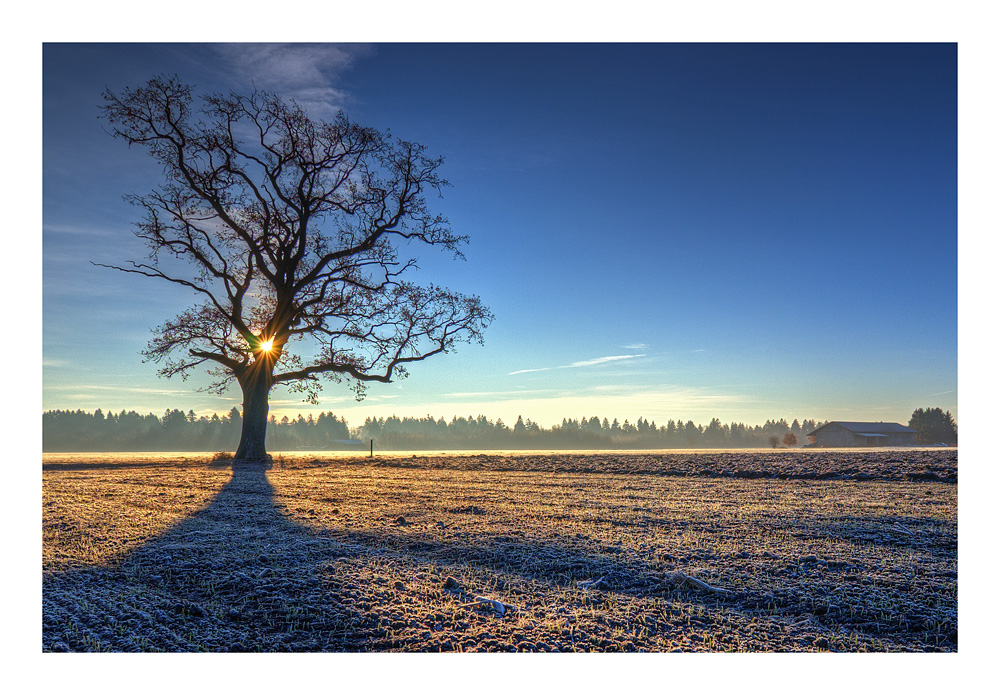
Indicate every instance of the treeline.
{"type": "Point", "coordinates": [66, 430]}
{"type": "Point", "coordinates": [585, 433]}
{"type": "Point", "coordinates": [76, 430]}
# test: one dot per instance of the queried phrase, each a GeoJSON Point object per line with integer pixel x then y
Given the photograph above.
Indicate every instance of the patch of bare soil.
{"type": "Point", "coordinates": [483, 553]}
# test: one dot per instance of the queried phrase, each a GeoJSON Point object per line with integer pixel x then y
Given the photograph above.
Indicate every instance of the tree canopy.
{"type": "Point", "coordinates": [934, 425]}
{"type": "Point", "coordinates": [288, 231]}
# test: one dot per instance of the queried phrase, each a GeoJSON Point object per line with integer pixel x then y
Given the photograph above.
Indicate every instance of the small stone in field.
{"type": "Point", "coordinates": [450, 583]}
{"type": "Point", "coordinates": [808, 558]}
{"type": "Point", "coordinates": [821, 643]}
{"type": "Point", "coordinates": [399, 586]}
{"type": "Point", "coordinates": [401, 520]}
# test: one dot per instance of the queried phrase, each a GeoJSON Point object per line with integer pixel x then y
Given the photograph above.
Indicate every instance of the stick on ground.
{"type": "Point", "coordinates": [680, 580]}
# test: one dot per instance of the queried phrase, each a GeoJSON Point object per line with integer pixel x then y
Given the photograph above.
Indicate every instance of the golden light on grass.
{"type": "Point", "coordinates": [438, 541]}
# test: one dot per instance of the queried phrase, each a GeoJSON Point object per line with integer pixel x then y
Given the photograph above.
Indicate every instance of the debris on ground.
{"type": "Point", "coordinates": [681, 580]}
{"type": "Point", "coordinates": [599, 583]}
{"type": "Point", "coordinates": [498, 607]}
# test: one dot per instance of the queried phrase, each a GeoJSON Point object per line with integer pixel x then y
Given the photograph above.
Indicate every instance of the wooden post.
{"type": "Point", "coordinates": [371, 448]}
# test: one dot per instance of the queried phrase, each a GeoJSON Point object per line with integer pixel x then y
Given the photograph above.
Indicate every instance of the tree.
{"type": "Point", "coordinates": [713, 433]}
{"type": "Point", "coordinates": [790, 439]}
{"type": "Point", "coordinates": [773, 441]}
{"type": "Point", "coordinates": [288, 231]}
{"type": "Point", "coordinates": [934, 425]}
{"type": "Point", "coordinates": [519, 427]}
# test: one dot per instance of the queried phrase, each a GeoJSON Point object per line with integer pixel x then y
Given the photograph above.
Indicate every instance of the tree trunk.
{"type": "Point", "coordinates": [256, 384]}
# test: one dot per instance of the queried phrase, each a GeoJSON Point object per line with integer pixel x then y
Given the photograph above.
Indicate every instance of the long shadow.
{"type": "Point", "coordinates": [241, 575]}
{"type": "Point", "coordinates": [917, 533]}
{"type": "Point", "coordinates": [237, 575]}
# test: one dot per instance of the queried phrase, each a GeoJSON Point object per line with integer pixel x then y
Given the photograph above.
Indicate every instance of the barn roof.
{"type": "Point", "coordinates": [869, 428]}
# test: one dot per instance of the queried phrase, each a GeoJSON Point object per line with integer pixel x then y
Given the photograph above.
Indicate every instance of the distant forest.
{"type": "Point", "coordinates": [68, 430]}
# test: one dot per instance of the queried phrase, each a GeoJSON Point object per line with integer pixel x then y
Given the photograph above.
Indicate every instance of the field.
{"type": "Point", "coordinates": [654, 552]}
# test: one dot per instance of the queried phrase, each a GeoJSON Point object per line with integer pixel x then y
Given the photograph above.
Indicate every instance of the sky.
{"type": "Point", "coordinates": [662, 230]}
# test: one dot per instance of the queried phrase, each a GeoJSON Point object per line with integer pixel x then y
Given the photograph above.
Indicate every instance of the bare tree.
{"type": "Point", "coordinates": [790, 439]}
{"type": "Point", "coordinates": [288, 231]}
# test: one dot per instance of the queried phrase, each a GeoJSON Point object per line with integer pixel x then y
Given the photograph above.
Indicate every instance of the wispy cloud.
{"type": "Point", "coordinates": [83, 230]}
{"type": "Point", "coordinates": [117, 389]}
{"type": "Point", "coordinates": [517, 393]}
{"type": "Point", "coordinates": [602, 360]}
{"type": "Point", "coordinates": [635, 346]}
{"type": "Point", "coordinates": [583, 363]}
{"type": "Point", "coordinates": [304, 72]}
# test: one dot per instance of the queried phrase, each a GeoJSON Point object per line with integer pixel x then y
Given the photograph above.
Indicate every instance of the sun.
{"type": "Point", "coordinates": [267, 344]}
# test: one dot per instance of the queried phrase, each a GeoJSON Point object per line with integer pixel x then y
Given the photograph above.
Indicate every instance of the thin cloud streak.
{"type": "Point", "coordinates": [583, 363]}
{"type": "Point", "coordinates": [119, 389]}
{"type": "Point", "coordinates": [72, 230]}
{"type": "Point", "coordinates": [479, 394]}
{"type": "Point", "coordinates": [602, 360]}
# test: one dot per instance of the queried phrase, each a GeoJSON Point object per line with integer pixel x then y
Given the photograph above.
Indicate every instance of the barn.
{"type": "Point", "coordinates": [862, 434]}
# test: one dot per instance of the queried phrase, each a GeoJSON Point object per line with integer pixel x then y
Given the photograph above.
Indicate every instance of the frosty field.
{"type": "Point", "coordinates": [710, 551]}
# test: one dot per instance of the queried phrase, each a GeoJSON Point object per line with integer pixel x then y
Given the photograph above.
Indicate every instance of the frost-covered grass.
{"type": "Point", "coordinates": [390, 554]}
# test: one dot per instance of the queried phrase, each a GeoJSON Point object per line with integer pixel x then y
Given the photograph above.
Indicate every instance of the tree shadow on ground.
{"type": "Point", "coordinates": [241, 575]}
{"type": "Point", "coordinates": [237, 575]}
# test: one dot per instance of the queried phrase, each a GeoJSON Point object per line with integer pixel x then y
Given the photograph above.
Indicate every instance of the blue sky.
{"type": "Point", "coordinates": [669, 231]}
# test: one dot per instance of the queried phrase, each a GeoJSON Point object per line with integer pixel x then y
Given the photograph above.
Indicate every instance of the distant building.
{"type": "Point", "coordinates": [863, 434]}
